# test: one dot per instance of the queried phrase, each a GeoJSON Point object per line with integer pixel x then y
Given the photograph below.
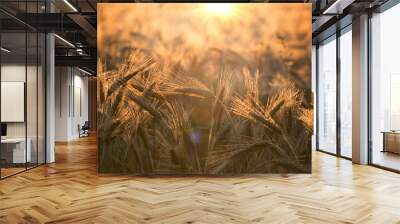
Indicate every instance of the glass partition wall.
{"type": "Point", "coordinates": [385, 89]}
{"type": "Point", "coordinates": [334, 93]}
{"type": "Point", "coordinates": [22, 77]}
{"type": "Point", "coordinates": [13, 90]}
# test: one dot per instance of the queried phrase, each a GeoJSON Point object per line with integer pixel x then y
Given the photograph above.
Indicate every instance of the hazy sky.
{"type": "Point", "coordinates": [205, 25]}
{"type": "Point", "coordinates": [261, 36]}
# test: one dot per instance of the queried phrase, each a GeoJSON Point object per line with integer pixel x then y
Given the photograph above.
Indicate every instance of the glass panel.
{"type": "Point", "coordinates": [13, 88]}
{"type": "Point", "coordinates": [346, 94]}
{"type": "Point", "coordinates": [32, 88]}
{"type": "Point", "coordinates": [327, 96]}
{"type": "Point", "coordinates": [23, 90]}
{"type": "Point", "coordinates": [385, 84]}
{"type": "Point", "coordinates": [41, 98]}
{"type": "Point", "coordinates": [31, 97]}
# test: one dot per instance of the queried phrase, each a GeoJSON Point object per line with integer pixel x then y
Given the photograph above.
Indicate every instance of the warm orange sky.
{"type": "Point", "coordinates": [199, 25]}
{"type": "Point", "coordinates": [240, 34]}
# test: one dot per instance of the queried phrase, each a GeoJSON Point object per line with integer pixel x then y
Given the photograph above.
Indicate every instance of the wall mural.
{"type": "Point", "coordinates": [202, 88]}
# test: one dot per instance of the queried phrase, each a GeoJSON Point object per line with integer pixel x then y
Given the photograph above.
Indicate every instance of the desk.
{"type": "Point", "coordinates": [13, 150]}
{"type": "Point", "coordinates": [391, 141]}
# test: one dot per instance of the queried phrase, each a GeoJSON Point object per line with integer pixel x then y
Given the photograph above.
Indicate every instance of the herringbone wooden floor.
{"type": "Point", "coordinates": [70, 191]}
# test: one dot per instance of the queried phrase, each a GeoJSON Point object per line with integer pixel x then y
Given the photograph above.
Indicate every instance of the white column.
{"type": "Point", "coordinates": [360, 90]}
{"type": "Point", "coordinates": [62, 103]}
{"type": "Point", "coordinates": [50, 98]}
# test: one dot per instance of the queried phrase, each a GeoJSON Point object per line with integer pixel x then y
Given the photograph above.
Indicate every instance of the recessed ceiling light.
{"type": "Point", "coordinates": [64, 40]}
{"type": "Point", "coordinates": [5, 50]}
{"type": "Point", "coordinates": [84, 71]}
{"type": "Point", "coordinates": [70, 5]}
{"type": "Point", "coordinates": [337, 7]}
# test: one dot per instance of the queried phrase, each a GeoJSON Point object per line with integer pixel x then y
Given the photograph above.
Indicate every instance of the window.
{"type": "Point", "coordinates": [346, 93]}
{"type": "Point", "coordinates": [335, 74]}
{"type": "Point", "coordinates": [385, 89]}
{"type": "Point", "coordinates": [327, 96]}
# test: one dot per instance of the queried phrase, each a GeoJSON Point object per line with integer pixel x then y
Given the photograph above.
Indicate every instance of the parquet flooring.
{"type": "Point", "coordinates": [10, 171]}
{"type": "Point", "coordinates": [70, 191]}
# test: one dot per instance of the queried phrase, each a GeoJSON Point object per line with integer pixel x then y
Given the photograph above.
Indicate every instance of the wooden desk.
{"type": "Point", "coordinates": [391, 141]}
{"type": "Point", "coordinates": [13, 150]}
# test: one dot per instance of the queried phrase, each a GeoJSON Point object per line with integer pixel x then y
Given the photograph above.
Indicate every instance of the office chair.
{"type": "Point", "coordinates": [84, 130]}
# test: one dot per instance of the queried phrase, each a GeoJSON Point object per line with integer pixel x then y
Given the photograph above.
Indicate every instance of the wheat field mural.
{"type": "Point", "coordinates": [216, 88]}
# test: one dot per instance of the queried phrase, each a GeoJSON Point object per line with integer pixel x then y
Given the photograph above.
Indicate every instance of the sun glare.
{"type": "Point", "coordinates": [222, 9]}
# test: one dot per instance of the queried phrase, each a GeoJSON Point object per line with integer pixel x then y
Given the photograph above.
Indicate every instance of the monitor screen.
{"type": "Point", "coordinates": [3, 129]}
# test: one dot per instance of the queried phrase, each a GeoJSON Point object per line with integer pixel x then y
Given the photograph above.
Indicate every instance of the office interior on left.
{"type": "Point", "coordinates": [22, 87]}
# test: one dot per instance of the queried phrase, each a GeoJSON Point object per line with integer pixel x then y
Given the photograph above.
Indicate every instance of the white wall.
{"type": "Point", "coordinates": [33, 127]}
{"type": "Point", "coordinates": [71, 94]}
{"type": "Point", "coordinates": [80, 110]}
{"type": "Point", "coordinates": [9, 73]}
{"type": "Point", "coordinates": [62, 81]}
{"type": "Point", "coordinates": [16, 73]}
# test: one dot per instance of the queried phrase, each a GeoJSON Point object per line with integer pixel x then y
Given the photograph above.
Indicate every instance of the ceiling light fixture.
{"type": "Point", "coordinates": [84, 71]}
{"type": "Point", "coordinates": [80, 51]}
{"type": "Point", "coordinates": [337, 7]}
{"type": "Point", "coordinates": [70, 5]}
{"type": "Point", "coordinates": [5, 50]}
{"type": "Point", "coordinates": [64, 40]}
{"type": "Point", "coordinates": [331, 8]}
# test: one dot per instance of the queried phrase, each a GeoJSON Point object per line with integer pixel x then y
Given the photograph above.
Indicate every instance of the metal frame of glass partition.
{"type": "Point", "coordinates": [382, 8]}
{"type": "Point", "coordinates": [337, 35]}
{"type": "Point", "coordinates": [42, 120]}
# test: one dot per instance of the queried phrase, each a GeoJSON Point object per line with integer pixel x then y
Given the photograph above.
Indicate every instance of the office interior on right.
{"type": "Point", "coordinates": [385, 89]}
{"type": "Point", "coordinates": [333, 61]}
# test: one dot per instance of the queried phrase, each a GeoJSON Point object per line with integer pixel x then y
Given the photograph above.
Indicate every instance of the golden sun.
{"type": "Point", "coordinates": [223, 13]}
{"type": "Point", "coordinates": [221, 9]}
